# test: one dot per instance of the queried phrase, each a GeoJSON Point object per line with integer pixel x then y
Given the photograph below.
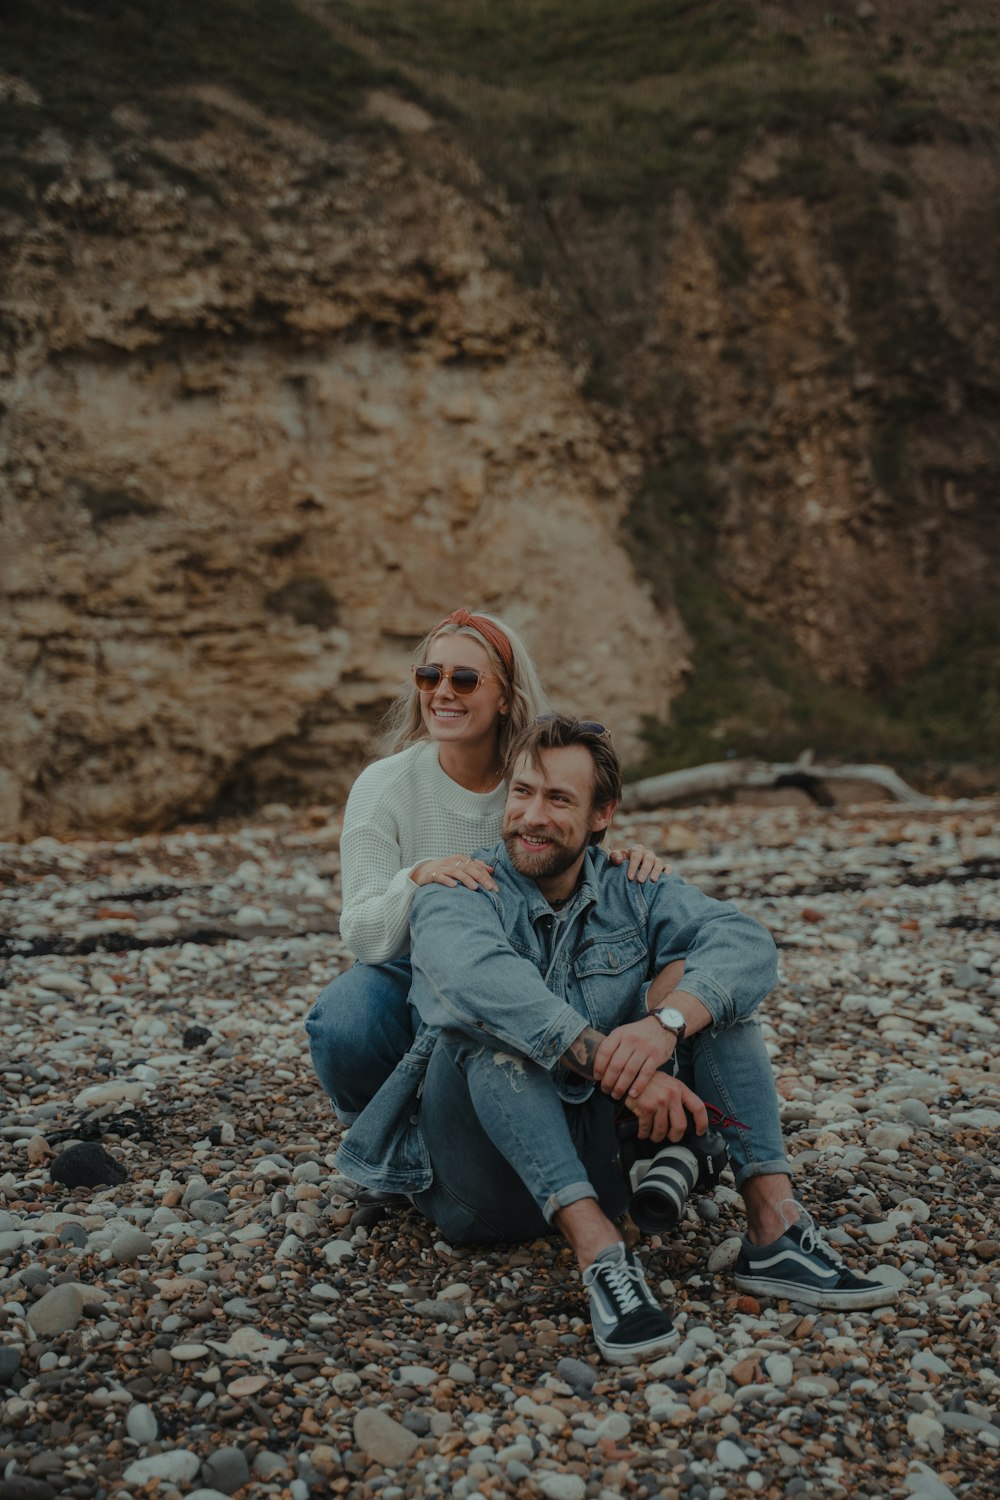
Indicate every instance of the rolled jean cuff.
{"type": "Point", "coordinates": [779, 1166]}
{"type": "Point", "coordinates": [565, 1196]}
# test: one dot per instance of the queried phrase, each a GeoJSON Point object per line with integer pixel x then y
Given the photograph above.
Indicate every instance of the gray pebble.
{"type": "Point", "coordinates": [129, 1246]}
{"type": "Point", "coordinates": [10, 1363]}
{"type": "Point", "coordinates": [915, 1112]}
{"type": "Point", "coordinates": [226, 1469]}
{"type": "Point", "coordinates": [580, 1377]}
{"type": "Point", "coordinates": [209, 1210]}
{"type": "Point", "coordinates": [141, 1424]}
{"type": "Point", "coordinates": [439, 1310]}
{"type": "Point", "coordinates": [614, 1426]}
{"type": "Point", "coordinates": [57, 1312]}
{"type": "Point", "coordinates": [383, 1438]}
{"type": "Point", "coordinates": [266, 1464]}
{"type": "Point", "coordinates": [926, 1486]}
{"type": "Point", "coordinates": [730, 1455]}
{"type": "Point", "coordinates": [561, 1486]}
{"type": "Point", "coordinates": [417, 1420]}
{"type": "Point", "coordinates": [177, 1465]}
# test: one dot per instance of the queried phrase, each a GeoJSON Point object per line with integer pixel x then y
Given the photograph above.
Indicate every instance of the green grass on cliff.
{"type": "Point", "coordinates": [86, 57]}
{"type": "Point", "coordinates": [614, 103]}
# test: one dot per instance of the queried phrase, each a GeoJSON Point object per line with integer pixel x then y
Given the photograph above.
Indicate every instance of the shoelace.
{"type": "Point", "coordinates": [810, 1237]}
{"type": "Point", "coordinates": [620, 1279]}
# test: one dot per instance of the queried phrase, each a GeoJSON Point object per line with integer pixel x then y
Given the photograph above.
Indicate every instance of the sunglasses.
{"type": "Point", "coordinates": [589, 726]}
{"type": "Point", "coordinates": [463, 681]}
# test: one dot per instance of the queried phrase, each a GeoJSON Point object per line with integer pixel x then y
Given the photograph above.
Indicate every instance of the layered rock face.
{"type": "Point", "coordinates": [267, 418]}
{"type": "Point", "coordinates": [851, 446]}
{"type": "Point", "coordinates": [275, 398]}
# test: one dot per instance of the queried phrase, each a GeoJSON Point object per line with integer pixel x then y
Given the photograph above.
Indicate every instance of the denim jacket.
{"type": "Point", "coordinates": [504, 967]}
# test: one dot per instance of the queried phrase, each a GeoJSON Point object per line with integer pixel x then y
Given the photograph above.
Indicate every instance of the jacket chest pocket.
{"type": "Point", "coordinates": [610, 972]}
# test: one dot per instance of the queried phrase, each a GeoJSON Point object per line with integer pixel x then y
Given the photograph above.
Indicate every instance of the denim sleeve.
{"type": "Point", "coordinates": [466, 976]}
{"type": "Point", "coordinates": [730, 960]}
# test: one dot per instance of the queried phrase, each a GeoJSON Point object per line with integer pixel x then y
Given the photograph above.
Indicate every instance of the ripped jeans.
{"type": "Point", "coordinates": [362, 1023]}
{"type": "Point", "coordinates": [507, 1152]}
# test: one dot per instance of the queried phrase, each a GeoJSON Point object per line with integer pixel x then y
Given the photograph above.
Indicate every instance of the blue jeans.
{"type": "Point", "coordinates": [731, 1069]}
{"type": "Point", "coordinates": [362, 1024]}
{"type": "Point", "coordinates": [507, 1152]}
{"type": "Point", "coordinates": [358, 1030]}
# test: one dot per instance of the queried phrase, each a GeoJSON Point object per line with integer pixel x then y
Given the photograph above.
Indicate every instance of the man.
{"type": "Point", "coordinates": [532, 994]}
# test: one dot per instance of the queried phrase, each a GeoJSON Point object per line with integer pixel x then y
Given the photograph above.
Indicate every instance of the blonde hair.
{"type": "Point", "coordinates": [404, 724]}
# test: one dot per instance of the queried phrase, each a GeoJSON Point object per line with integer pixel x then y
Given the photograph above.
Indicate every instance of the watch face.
{"type": "Point", "coordinates": [671, 1017]}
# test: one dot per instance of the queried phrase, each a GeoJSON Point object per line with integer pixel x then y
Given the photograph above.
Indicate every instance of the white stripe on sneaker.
{"type": "Point", "coordinates": [758, 1267]}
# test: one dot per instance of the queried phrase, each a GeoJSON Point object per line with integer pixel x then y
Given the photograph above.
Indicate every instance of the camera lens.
{"type": "Point", "coordinates": [663, 1188]}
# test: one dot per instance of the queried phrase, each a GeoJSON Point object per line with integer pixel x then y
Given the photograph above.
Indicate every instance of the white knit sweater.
{"type": "Point", "coordinates": [403, 810]}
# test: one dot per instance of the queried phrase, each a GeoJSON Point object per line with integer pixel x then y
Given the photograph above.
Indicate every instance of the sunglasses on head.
{"type": "Point", "coordinates": [589, 726]}
{"type": "Point", "coordinates": [461, 680]}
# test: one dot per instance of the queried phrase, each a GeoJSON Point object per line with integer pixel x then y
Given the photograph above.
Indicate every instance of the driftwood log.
{"type": "Point", "coordinates": [754, 775]}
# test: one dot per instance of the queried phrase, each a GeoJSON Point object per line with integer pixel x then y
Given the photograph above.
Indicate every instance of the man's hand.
{"type": "Point", "coordinates": [629, 1056]}
{"type": "Point", "coordinates": [663, 1109]}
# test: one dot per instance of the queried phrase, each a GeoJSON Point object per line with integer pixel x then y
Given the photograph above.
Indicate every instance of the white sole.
{"type": "Point", "coordinates": [878, 1296]}
{"type": "Point", "coordinates": [637, 1353]}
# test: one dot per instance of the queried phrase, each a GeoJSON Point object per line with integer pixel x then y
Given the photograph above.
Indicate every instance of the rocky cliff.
{"type": "Point", "coordinates": [270, 411]}
{"type": "Point", "coordinates": [319, 319]}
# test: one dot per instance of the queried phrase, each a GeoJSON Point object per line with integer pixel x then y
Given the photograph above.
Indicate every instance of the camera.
{"type": "Point", "coordinates": [663, 1177]}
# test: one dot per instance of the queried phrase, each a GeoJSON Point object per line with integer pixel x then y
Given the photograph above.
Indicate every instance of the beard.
{"type": "Point", "coordinates": [552, 861]}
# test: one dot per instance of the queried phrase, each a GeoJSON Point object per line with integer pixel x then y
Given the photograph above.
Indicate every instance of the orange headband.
{"type": "Point", "coordinates": [488, 631]}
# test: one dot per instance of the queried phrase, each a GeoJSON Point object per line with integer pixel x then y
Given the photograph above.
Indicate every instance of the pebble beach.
{"type": "Point", "coordinates": [193, 1303]}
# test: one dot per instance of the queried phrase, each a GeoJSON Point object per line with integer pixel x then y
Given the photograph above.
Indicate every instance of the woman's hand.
{"type": "Point", "coordinates": [643, 864]}
{"type": "Point", "coordinates": [455, 869]}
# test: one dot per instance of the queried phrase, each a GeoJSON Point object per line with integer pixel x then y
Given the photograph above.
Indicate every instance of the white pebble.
{"type": "Point", "coordinates": [561, 1486]}
{"type": "Point", "coordinates": [731, 1455]}
{"type": "Point", "coordinates": [141, 1424]}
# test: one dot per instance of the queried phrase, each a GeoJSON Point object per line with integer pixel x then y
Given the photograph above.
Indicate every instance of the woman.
{"type": "Point", "coordinates": [413, 818]}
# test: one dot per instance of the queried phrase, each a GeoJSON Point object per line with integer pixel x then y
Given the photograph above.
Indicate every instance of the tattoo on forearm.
{"type": "Point", "coordinates": [579, 1055]}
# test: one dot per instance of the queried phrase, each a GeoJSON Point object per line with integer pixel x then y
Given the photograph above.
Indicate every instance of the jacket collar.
{"type": "Point", "coordinates": [586, 894]}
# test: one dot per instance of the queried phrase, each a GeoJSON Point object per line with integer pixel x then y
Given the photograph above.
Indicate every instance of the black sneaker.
{"type": "Point", "coordinates": [628, 1324]}
{"type": "Point", "coordinates": [803, 1268]}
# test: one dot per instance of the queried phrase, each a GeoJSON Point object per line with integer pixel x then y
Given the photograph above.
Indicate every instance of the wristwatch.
{"type": "Point", "coordinates": [671, 1020]}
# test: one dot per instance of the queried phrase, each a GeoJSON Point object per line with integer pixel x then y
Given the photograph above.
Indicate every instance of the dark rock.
{"type": "Point", "coordinates": [86, 1165]}
{"type": "Point", "coordinates": [33, 1276]}
{"type": "Point", "coordinates": [20, 1487]}
{"type": "Point", "coordinates": [417, 1421]}
{"type": "Point", "coordinates": [196, 1036]}
{"type": "Point", "coordinates": [580, 1378]}
{"type": "Point", "coordinates": [73, 1234]}
{"type": "Point", "coordinates": [10, 1363]}
{"type": "Point", "coordinates": [226, 1470]}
